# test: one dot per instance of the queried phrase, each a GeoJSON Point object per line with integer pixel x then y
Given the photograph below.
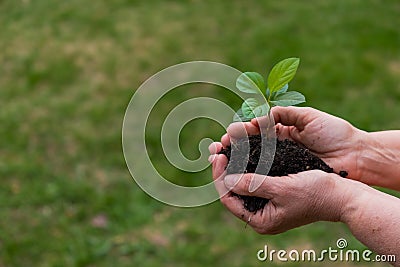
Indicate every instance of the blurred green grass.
{"type": "Point", "coordinates": [68, 70]}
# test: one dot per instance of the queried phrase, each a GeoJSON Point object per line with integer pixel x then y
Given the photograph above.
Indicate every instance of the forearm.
{"type": "Point", "coordinates": [379, 159]}
{"type": "Point", "coordinates": [374, 218]}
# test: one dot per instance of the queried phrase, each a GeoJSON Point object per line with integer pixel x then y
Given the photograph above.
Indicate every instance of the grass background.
{"type": "Point", "coordinates": [68, 70]}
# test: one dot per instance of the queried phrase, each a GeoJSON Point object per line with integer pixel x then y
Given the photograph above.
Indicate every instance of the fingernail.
{"type": "Point", "coordinates": [231, 180]}
{"type": "Point", "coordinates": [255, 183]}
{"type": "Point", "coordinates": [211, 148]}
{"type": "Point", "coordinates": [211, 158]}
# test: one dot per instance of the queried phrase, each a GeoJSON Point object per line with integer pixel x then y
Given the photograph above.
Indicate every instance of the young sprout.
{"type": "Point", "coordinates": [275, 91]}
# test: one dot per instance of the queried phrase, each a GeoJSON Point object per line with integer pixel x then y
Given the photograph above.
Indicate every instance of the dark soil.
{"type": "Point", "coordinates": [290, 158]}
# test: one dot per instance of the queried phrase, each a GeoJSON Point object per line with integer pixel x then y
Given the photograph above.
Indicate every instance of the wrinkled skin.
{"type": "Point", "coordinates": [303, 198]}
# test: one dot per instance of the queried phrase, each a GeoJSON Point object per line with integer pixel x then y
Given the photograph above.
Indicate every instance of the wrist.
{"type": "Point", "coordinates": [336, 198]}
{"type": "Point", "coordinates": [377, 159]}
{"type": "Point", "coordinates": [362, 141]}
{"type": "Point", "coordinates": [343, 199]}
{"type": "Point", "coordinates": [354, 197]}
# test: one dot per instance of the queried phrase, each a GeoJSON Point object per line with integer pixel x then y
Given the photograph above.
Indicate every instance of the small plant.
{"type": "Point", "coordinates": [276, 90]}
{"type": "Point", "coordinates": [244, 155]}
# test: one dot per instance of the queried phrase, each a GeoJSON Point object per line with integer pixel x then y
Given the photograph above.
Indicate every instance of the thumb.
{"type": "Point", "coordinates": [251, 184]}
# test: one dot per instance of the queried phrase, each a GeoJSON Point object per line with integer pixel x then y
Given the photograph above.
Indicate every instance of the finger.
{"type": "Point", "coordinates": [235, 206]}
{"type": "Point", "coordinates": [225, 140]}
{"type": "Point", "coordinates": [219, 165]}
{"type": "Point", "coordinates": [251, 184]}
{"type": "Point", "coordinates": [287, 132]}
{"type": "Point", "coordinates": [219, 173]}
{"type": "Point", "coordinates": [239, 130]}
{"type": "Point", "coordinates": [215, 147]}
{"type": "Point", "coordinates": [291, 116]}
{"type": "Point", "coordinates": [255, 220]}
{"type": "Point", "coordinates": [263, 122]}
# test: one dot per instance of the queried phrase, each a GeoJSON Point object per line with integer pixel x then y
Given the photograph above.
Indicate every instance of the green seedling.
{"type": "Point", "coordinates": [275, 91]}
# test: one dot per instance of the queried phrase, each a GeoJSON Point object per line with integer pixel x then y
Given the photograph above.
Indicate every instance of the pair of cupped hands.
{"type": "Point", "coordinates": [301, 198]}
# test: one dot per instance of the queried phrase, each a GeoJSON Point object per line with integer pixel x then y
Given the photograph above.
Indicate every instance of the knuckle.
{"type": "Point", "coordinates": [245, 182]}
{"type": "Point", "coordinates": [280, 187]}
{"type": "Point", "coordinates": [308, 109]}
{"type": "Point", "coordinates": [278, 190]}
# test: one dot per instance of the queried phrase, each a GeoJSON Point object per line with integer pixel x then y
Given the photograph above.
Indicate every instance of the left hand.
{"type": "Point", "coordinates": [295, 200]}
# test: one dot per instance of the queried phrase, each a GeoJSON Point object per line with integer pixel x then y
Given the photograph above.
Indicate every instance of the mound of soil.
{"type": "Point", "coordinates": [290, 158]}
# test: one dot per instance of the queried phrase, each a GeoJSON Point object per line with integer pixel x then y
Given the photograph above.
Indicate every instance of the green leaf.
{"type": "Point", "coordinates": [261, 110]}
{"type": "Point", "coordinates": [282, 73]}
{"type": "Point", "coordinates": [239, 117]}
{"type": "Point", "coordinates": [288, 99]}
{"type": "Point", "coordinates": [251, 108]}
{"type": "Point", "coordinates": [283, 89]}
{"type": "Point", "coordinates": [248, 106]}
{"type": "Point", "coordinates": [274, 94]}
{"type": "Point", "coordinates": [250, 82]}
